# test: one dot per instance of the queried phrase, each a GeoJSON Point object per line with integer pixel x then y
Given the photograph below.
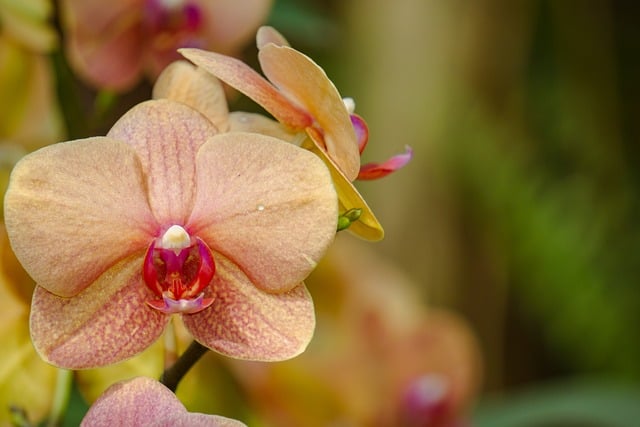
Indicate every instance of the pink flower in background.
{"type": "Point", "coordinates": [146, 402]}
{"type": "Point", "coordinates": [112, 44]}
{"type": "Point", "coordinates": [299, 94]}
{"type": "Point", "coordinates": [168, 215]}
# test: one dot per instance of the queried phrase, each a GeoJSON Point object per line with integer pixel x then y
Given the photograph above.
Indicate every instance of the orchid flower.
{"type": "Point", "coordinates": [168, 215]}
{"type": "Point", "coordinates": [300, 95]}
{"type": "Point", "coordinates": [146, 402]}
{"type": "Point", "coordinates": [111, 45]}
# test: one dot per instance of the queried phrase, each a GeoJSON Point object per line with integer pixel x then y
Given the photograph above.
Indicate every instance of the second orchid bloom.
{"type": "Point", "coordinates": [303, 99]}
{"type": "Point", "coordinates": [169, 214]}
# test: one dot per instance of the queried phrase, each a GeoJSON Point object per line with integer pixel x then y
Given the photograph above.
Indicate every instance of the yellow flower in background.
{"type": "Point", "coordinates": [26, 22]}
{"type": "Point", "coordinates": [26, 381]}
{"type": "Point", "coordinates": [32, 118]}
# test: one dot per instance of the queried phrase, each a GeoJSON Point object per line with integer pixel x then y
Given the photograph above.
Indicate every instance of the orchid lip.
{"type": "Point", "coordinates": [169, 305]}
{"type": "Point", "coordinates": [177, 268]}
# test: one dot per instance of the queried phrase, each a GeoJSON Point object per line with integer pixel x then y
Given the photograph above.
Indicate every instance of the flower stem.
{"type": "Point", "coordinates": [60, 397]}
{"type": "Point", "coordinates": [172, 376]}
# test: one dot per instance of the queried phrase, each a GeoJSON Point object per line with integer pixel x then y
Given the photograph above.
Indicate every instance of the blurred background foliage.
{"type": "Point", "coordinates": [520, 208]}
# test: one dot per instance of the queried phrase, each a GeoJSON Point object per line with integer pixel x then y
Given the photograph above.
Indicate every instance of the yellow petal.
{"type": "Point", "coordinates": [25, 380]}
{"type": "Point", "coordinates": [367, 226]}
{"type": "Point", "coordinates": [27, 22]}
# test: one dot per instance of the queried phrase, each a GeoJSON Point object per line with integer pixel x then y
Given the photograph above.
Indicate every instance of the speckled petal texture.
{"type": "Point", "coordinates": [146, 402]}
{"type": "Point", "coordinates": [166, 135]}
{"type": "Point", "coordinates": [246, 323]}
{"type": "Point", "coordinates": [243, 78]}
{"type": "Point", "coordinates": [192, 86]}
{"type": "Point", "coordinates": [106, 323]}
{"type": "Point", "coordinates": [68, 202]}
{"type": "Point", "coordinates": [265, 204]}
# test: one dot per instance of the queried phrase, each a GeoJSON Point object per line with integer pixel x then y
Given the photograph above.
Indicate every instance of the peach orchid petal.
{"type": "Point", "coordinates": [166, 135]}
{"type": "Point", "coordinates": [108, 322]}
{"type": "Point", "coordinates": [267, 35]}
{"type": "Point", "coordinates": [143, 401]}
{"type": "Point", "coordinates": [246, 323]}
{"type": "Point", "coordinates": [198, 89]}
{"type": "Point", "coordinates": [243, 78]}
{"type": "Point", "coordinates": [95, 185]}
{"type": "Point", "coordinates": [301, 79]}
{"type": "Point", "coordinates": [240, 121]}
{"type": "Point", "coordinates": [266, 204]}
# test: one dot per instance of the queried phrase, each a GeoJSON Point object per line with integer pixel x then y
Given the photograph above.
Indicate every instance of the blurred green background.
{"type": "Point", "coordinates": [520, 208]}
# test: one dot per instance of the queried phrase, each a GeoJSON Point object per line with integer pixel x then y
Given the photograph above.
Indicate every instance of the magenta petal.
{"type": "Point", "coordinates": [362, 131]}
{"type": "Point", "coordinates": [379, 170]}
{"type": "Point", "coordinates": [74, 209]}
{"type": "Point", "coordinates": [268, 205]}
{"type": "Point", "coordinates": [106, 323]}
{"type": "Point", "coordinates": [166, 136]}
{"type": "Point", "coordinates": [246, 323]}
{"type": "Point", "coordinates": [146, 402]}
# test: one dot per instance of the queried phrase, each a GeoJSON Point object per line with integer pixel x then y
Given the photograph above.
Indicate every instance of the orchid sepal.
{"type": "Point", "coordinates": [367, 226]}
{"type": "Point", "coordinates": [372, 171]}
{"type": "Point", "coordinates": [248, 81]}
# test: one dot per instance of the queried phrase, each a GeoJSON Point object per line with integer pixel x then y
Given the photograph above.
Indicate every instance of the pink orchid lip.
{"type": "Point", "coordinates": [160, 16]}
{"type": "Point", "coordinates": [169, 305]}
{"type": "Point", "coordinates": [178, 273]}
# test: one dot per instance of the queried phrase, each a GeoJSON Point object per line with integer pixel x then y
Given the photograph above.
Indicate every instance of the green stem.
{"type": "Point", "coordinates": [60, 397]}
{"type": "Point", "coordinates": [172, 376]}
